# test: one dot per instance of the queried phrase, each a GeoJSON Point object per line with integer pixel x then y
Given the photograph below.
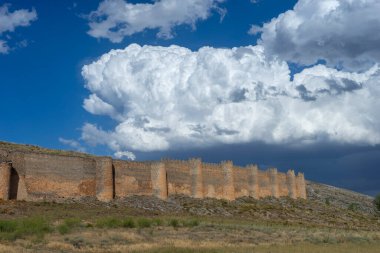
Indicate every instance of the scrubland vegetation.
{"type": "Point", "coordinates": [188, 225]}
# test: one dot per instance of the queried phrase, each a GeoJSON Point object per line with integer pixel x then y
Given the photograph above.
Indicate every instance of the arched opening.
{"type": "Point", "coordinates": [13, 187]}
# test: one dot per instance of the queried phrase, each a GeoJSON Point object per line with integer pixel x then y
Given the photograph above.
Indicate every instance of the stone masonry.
{"type": "Point", "coordinates": [41, 176]}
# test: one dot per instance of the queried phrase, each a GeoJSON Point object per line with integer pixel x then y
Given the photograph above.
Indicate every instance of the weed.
{"type": "Point", "coordinates": [144, 223]}
{"type": "Point", "coordinates": [63, 229]}
{"type": "Point", "coordinates": [128, 223]}
{"type": "Point", "coordinates": [68, 225]}
{"type": "Point", "coordinates": [14, 229]}
{"type": "Point", "coordinates": [376, 202]}
{"type": "Point", "coordinates": [353, 207]}
{"type": "Point", "coordinates": [174, 223]}
{"type": "Point", "coordinates": [108, 222]}
{"type": "Point", "coordinates": [190, 223]}
{"type": "Point", "coordinates": [157, 222]}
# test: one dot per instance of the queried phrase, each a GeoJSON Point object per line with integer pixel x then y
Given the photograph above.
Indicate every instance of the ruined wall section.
{"type": "Point", "coordinates": [46, 176]}
{"type": "Point", "coordinates": [213, 180]}
{"type": "Point", "coordinates": [301, 186]}
{"type": "Point", "coordinates": [253, 181]}
{"type": "Point", "coordinates": [178, 177]}
{"type": "Point", "coordinates": [132, 178]}
{"type": "Point", "coordinates": [159, 180]}
{"type": "Point", "coordinates": [196, 173]}
{"type": "Point", "coordinates": [241, 181]}
{"type": "Point", "coordinates": [104, 178]}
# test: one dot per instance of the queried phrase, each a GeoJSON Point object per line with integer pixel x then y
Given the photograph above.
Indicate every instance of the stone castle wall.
{"type": "Point", "coordinates": [35, 176]}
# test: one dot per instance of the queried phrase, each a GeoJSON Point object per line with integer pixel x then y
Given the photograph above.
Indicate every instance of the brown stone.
{"type": "Point", "coordinates": [104, 179]}
{"type": "Point", "coordinates": [159, 183]}
{"type": "Point", "coordinates": [291, 182]}
{"type": "Point", "coordinates": [253, 181]}
{"type": "Point", "coordinates": [196, 178]}
{"type": "Point", "coordinates": [273, 182]}
{"type": "Point", "coordinates": [5, 180]}
{"type": "Point", "coordinates": [228, 186]}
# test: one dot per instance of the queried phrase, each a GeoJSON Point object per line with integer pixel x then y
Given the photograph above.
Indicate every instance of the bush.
{"type": "Point", "coordinates": [128, 223]}
{"type": "Point", "coordinates": [68, 224]}
{"type": "Point", "coordinates": [376, 201]}
{"type": "Point", "coordinates": [353, 207]}
{"type": "Point", "coordinates": [63, 229]}
{"type": "Point", "coordinates": [72, 222]}
{"type": "Point", "coordinates": [190, 223]}
{"type": "Point", "coordinates": [144, 223]}
{"type": "Point", "coordinates": [109, 222]}
{"type": "Point", "coordinates": [174, 223]}
{"type": "Point", "coordinates": [14, 229]}
{"type": "Point", "coordinates": [157, 222]}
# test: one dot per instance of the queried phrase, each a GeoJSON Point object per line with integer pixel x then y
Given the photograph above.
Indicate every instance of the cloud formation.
{"type": "Point", "coordinates": [169, 97]}
{"type": "Point", "coordinates": [72, 144]}
{"type": "Point", "coordinates": [344, 33]}
{"type": "Point", "coordinates": [115, 19]}
{"type": "Point", "coordinates": [9, 21]}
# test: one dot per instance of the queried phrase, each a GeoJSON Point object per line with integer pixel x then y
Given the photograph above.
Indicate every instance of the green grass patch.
{"type": "Point", "coordinates": [68, 225]}
{"type": "Point", "coordinates": [174, 223]}
{"type": "Point", "coordinates": [144, 223]}
{"type": "Point", "coordinates": [108, 222]}
{"type": "Point", "coordinates": [190, 223]}
{"type": "Point", "coordinates": [21, 228]}
{"type": "Point", "coordinates": [128, 223]}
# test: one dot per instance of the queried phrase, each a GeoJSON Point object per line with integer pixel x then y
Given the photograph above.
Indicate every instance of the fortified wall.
{"type": "Point", "coordinates": [40, 176]}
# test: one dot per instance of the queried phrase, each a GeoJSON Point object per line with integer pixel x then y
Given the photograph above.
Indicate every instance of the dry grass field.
{"type": "Point", "coordinates": [345, 223]}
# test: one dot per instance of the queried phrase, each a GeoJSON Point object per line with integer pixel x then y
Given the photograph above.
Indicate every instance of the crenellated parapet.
{"type": "Point", "coordinates": [41, 176]}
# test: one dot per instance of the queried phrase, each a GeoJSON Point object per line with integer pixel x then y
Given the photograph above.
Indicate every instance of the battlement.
{"type": "Point", "coordinates": [35, 176]}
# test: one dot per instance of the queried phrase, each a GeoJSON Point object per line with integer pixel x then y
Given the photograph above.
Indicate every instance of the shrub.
{"type": "Point", "coordinates": [353, 207]}
{"type": "Point", "coordinates": [174, 223]}
{"type": "Point", "coordinates": [157, 222]}
{"type": "Point", "coordinates": [72, 222]}
{"type": "Point", "coordinates": [128, 223]}
{"type": "Point", "coordinates": [190, 223]}
{"type": "Point", "coordinates": [144, 223]}
{"type": "Point", "coordinates": [108, 222]}
{"type": "Point", "coordinates": [13, 229]}
{"type": "Point", "coordinates": [63, 229]}
{"type": "Point", "coordinates": [7, 226]}
{"type": "Point", "coordinates": [376, 202]}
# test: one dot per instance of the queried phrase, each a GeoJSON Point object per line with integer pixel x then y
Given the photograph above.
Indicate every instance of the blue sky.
{"type": "Point", "coordinates": [43, 88]}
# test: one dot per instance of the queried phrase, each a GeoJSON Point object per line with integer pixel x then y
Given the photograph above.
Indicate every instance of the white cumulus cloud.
{"type": "Point", "coordinates": [168, 97]}
{"type": "Point", "coordinates": [126, 154]}
{"type": "Point", "coordinates": [73, 144]}
{"type": "Point", "coordinates": [344, 33]}
{"type": "Point", "coordinates": [115, 19]}
{"type": "Point", "coordinates": [10, 20]}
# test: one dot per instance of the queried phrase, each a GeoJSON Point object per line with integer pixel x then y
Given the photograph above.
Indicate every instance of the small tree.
{"type": "Point", "coordinates": [376, 201]}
